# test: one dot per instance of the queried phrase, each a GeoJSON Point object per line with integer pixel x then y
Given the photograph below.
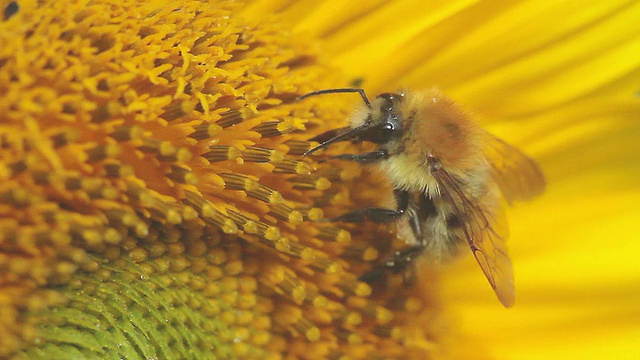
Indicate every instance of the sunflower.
{"type": "Point", "coordinates": [155, 203]}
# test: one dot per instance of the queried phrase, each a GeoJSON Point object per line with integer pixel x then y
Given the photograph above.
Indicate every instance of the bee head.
{"type": "Point", "coordinates": [383, 122]}
{"type": "Point", "coordinates": [381, 125]}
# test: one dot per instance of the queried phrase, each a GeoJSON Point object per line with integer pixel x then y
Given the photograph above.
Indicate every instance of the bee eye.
{"type": "Point", "coordinates": [380, 134]}
{"type": "Point", "coordinates": [387, 127]}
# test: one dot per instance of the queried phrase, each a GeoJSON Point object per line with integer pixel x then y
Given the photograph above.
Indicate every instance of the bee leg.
{"type": "Point", "coordinates": [402, 259]}
{"type": "Point", "coordinates": [400, 262]}
{"type": "Point", "coordinates": [365, 157]}
{"type": "Point", "coordinates": [375, 275]}
{"type": "Point", "coordinates": [379, 215]}
{"type": "Point", "coordinates": [324, 137]}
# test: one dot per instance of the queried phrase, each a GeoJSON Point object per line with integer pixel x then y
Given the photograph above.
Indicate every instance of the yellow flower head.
{"type": "Point", "coordinates": [154, 201]}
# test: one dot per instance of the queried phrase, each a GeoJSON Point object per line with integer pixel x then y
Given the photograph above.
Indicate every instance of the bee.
{"type": "Point", "coordinates": [451, 179]}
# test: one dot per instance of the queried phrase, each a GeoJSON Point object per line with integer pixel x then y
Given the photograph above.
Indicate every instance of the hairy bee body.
{"type": "Point", "coordinates": [451, 179]}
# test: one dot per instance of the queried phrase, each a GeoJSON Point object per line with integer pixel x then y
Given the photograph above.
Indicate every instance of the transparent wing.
{"type": "Point", "coordinates": [484, 228]}
{"type": "Point", "coordinates": [518, 176]}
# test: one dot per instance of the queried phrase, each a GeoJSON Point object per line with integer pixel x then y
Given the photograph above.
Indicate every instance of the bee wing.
{"type": "Point", "coordinates": [485, 230]}
{"type": "Point", "coordinates": [518, 176]}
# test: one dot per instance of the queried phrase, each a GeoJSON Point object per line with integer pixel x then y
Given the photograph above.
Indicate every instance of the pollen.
{"type": "Point", "coordinates": [154, 199]}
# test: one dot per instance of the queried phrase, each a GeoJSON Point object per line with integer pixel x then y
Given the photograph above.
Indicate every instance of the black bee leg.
{"type": "Point", "coordinates": [402, 259]}
{"type": "Point", "coordinates": [399, 262]}
{"type": "Point", "coordinates": [379, 215]}
{"type": "Point", "coordinates": [365, 157]}
{"type": "Point", "coordinates": [375, 275]}
{"type": "Point", "coordinates": [327, 135]}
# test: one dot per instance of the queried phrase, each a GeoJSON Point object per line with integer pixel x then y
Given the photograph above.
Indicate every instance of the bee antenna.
{"type": "Point", "coordinates": [344, 136]}
{"type": "Point", "coordinates": [334, 91]}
